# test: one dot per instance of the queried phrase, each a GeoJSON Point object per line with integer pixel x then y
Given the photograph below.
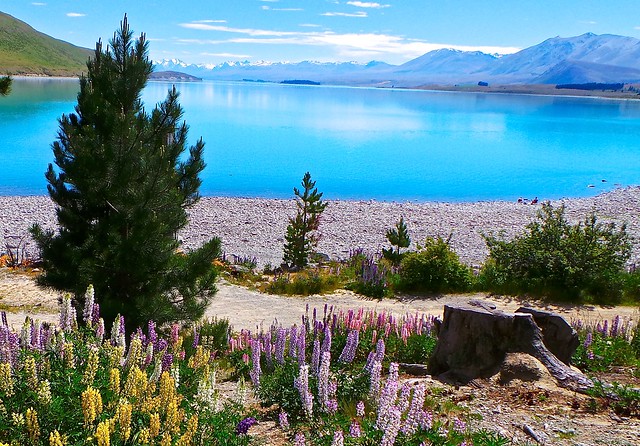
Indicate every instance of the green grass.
{"type": "Point", "coordinates": [23, 50]}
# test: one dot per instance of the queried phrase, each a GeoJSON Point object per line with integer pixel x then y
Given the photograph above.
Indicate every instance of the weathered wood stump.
{"type": "Point", "coordinates": [474, 339]}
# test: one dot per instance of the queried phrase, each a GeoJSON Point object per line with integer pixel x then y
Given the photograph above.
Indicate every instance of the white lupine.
{"type": "Point", "coordinates": [89, 300]}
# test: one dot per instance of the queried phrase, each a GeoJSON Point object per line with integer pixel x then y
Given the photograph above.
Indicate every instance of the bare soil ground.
{"type": "Point", "coordinates": [552, 414]}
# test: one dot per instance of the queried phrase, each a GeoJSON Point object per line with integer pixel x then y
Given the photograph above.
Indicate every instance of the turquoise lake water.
{"type": "Point", "coordinates": [361, 143]}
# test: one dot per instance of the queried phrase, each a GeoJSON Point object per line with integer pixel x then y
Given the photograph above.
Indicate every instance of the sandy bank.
{"type": "Point", "coordinates": [255, 227]}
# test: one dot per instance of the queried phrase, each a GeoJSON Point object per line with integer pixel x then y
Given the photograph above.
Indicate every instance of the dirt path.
{"type": "Point", "coordinates": [248, 309]}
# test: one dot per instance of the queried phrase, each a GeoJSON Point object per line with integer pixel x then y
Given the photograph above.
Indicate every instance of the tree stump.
{"type": "Point", "coordinates": [474, 339]}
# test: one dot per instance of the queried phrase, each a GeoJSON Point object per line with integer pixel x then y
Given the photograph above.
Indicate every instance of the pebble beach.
{"type": "Point", "coordinates": [255, 227]}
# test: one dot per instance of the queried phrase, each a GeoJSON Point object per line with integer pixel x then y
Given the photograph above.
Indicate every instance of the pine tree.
{"type": "Point", "coordinates": [5, 85]}
{"type": "Point", "coordinates": [398, 237]}
{"type": "Point", "coordinates": [301, 238]}
{"type": "Point", "coordinates": [121, 188]}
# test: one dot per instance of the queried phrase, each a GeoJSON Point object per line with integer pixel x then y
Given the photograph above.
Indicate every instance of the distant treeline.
{"type": "Point", "coordinates": [300, 82]}
{"type": "Point", "coordinates": [591, 86]}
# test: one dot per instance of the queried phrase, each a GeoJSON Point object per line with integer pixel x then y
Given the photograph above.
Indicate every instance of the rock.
{"type": "Point", "coordinates": [558, 336]}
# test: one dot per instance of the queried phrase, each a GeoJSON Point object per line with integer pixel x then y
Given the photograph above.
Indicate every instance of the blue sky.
{"type": "Point", "coordinates": [394, 31]}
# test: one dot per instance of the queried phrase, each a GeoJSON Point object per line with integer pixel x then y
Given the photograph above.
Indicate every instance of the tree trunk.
{"type": "Point", "coordinates": [474, 339]}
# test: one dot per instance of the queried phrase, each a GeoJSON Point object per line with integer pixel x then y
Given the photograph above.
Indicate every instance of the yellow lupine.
{"type": "Point", "coordinates": [44, 393]}
{"type": "Point", "coordinates": [6, 380]}
{"type": "Point", "coordinates": [69, 359]}
{"type": "Point", "coordinates": [136, 383]}
{"type": "Point", "coordinates": [200, 358]}
{"type": "Point", "coordinates": [143, 436]}
{"type": "Point", "coordinates": [114, 380]}
{"type": "Point", "coordinates": [124, 420]}
{"type": "Point", "coordinates": [55, 439]}
{"type": "Point", "coordinates": [103, 434]}
{"type": "Point", "coordinates": [134, 356]}
{"type": "Point", "coordinates": [166, 439]}
{"type": "Point", "coordinates": [114, 354]}
{"type": "Point", "coordinates": [33, 427]}
{"type": "Point", "coordinates": [154, 425]}
{"type": "Point", "coordinates": [30, 372]}
{"type": "Point", "coordinates": [187, 438]}
{"type": "Point", "coordinates": [167, 389]}
{"type": "Point", "coordinates": [91, 405]}
{"type": "Point", "coordinates": [174, 417]}
{"type": "Point", "coordinates": [92, 367]}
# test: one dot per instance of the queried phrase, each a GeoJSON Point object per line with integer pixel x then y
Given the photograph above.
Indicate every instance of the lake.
{"type": "Point", "coordinates": [359, 143]}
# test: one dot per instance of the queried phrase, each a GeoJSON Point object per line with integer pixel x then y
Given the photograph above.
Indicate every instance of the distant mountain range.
{"type": "Point", "coordinates": [23, 50]}
{"type": "Point", "coordinates": [581, 59]}
{"type": "Point", "coordinates": [587, 58]}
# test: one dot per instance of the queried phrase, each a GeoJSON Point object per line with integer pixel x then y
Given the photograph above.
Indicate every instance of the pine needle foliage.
{"type": "Point", "coordinates": [121, 188]}
{"type": "Point", "coordinates": [5, 85]}
{"type": "Point", "coordinates": [399, 238]}
{"type": "Point", "coordinates": [302, 238]}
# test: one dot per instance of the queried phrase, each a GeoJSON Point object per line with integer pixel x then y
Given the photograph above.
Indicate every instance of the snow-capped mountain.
{"type": "Point", "coordinates": [580, 59]}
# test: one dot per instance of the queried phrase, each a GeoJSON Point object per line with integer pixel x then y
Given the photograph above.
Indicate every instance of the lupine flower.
{"type": "Point", "coordinates": [283, 420]}
{"type": "Point", "coordinates": [416, 413]}
{"type": "Point", "coordinates": [331, 406]}
{"type": "Point", "coordinates": [293, 342]}
{"type": "Point", "coordinates": [615, 326]}
{"type": "Point", "coordinates": [255, 358]}
{"type": "Point", "coordinates": [302, 345]}
{"type": "Point", "coordinates": [354, 430]}
{"type": "Point", "coordinates": [281, 337]}
{"type": "Point", "coordinates": [338, 439]}
{"type": "Point", "coordinates": [315, 357]}
{"type": "Point", "coordinates": [66, 313]}
{"type": "Point", "coordinates": [459, 426]}
{"type": "Point", "coordinates": [374, 380]}
{"type": "Point", "coordinates": [323, 380]}
{"type": "Point", "coordinates": [349, 351]}
{"type": "Point", "coordinates": [588, 340]}
{"type": "Point", "coordinates": [243, 426]}
{"type": "Point", "coordinates": [100, 331]}
{"type": "Point", "coordinates": [403, 399]}
{"type": "Point", "coordinates": [326, 341]}
{"type": "Point", "coordinates": [302, 384]}
{"type": "Point", "coordinates": [299, 439]}
{"type": "Point", "coordinates": [167, 362]}
{"type": "Point", "coordinates": [33, 427]}
{"type": "Point", "coordinates": [392, 427]}
{"type": "Point", "coordinates": [360, 409]}
{"type": "Point", "coordinates": [87, 313]}
{"type": "Point", "coordinates": [267, 351]}
{"type": "Point", "coordinates": [95, 314]}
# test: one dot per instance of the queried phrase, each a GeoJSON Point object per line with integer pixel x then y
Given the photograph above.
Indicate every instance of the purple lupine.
{"type": "Point", "coordinates": [355, 431]}
{"type": "Point", "coordinates": [152, 335]}
{"type": "Point", "coordinates": [315, 357]}
{"type": "Point", "coordinates": [302, 345]}
{"type": "Point", "coordinates": [256, 371]}
{"type": "Point", "coordinates": [268, 357]}
{"type": "Point", "coordinates": [100, 330]}
{"type": "Point", "coordinates": [403, 399]}
{"type": "Point", "coordinates": [588, 340]}
{"type": "Point", "coordinates": [293, 341]}
{"type": "Point", "coordinates": [338, 439]}
{"type": "Point", "coordinates": [374, 380]}
{"type": "Point", "coordinates": [349, 351]}
{"type": "Point", "coordinates": [360, 409]}
{"type": "Point", "coordinates": [167, 362]}
{"type": "Point", "coordinates": [302, 384]}
{"type": "Point", "coordinates": [243, 426]}
{"type": "Point", "coordinates": [392, 427]}
{"type": "Point", "coordinates": [4, 318]}
{"type": "Point", "coordinates": [95, 314]}
{"type": "Point", "coordinates": [605, 328]}
{"type": "Point", "coordinates": [380, 348]}
{"type": "Point", "coordinates": [281, 338]}
{"type": "Point", "coordinates": [326, 341]}
{"type": "Point", "coordinates": [175, 334]}
{"type": "Point", "coordinates": [283, 420]}
{"type": "Point", "coordinates": [299, 439]}
{"type": "Point", "coordinates": [393, 372]}
{"type": "Point", "coordinates": [615, 327]}
{"type": "Point", "coordinates": [196, 337]}
{"type": "Point", "coordinates": [323, 380]}
{"type": "Point", "coordinates": [416, 413]}
{"type": "Point", "coordinates": [332, 406]}
{"type": "Point", "coordinates": [386, 402]}
{"type": "Point", "coordinates": [459, 426]}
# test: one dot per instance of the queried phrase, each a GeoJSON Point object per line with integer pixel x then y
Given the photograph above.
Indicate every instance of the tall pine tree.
{"type": "Point", "coordinates": [301, 237]}
{"type": "Point", "coordinates": [121, 189]}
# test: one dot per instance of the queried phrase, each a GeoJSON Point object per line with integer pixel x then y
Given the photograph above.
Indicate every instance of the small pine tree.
{"type": "Point", "coordinates": [398, 237]}
{"type": "Point", "coordinates": [5, 85]}
{"type": "Point", "coordinates": [121, 190]}
{"type": "Point", "coordinates": [301, 238]}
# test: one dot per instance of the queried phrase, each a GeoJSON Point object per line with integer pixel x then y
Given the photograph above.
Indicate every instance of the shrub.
{"type": "Point", "coordinates": [434, 268]}
{"type": "Point", "coordinates": [371, 275]}
{"type": "Point", "coordinates": [304, 283]}
{"type": "Point", "coordinates": [559, 260]}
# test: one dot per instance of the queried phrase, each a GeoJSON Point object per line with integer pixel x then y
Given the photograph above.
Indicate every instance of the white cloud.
{"type": "Point", "coordinates": [368, 5]}
{"type": "Point", "coordinates": [348, 46]}
{"type": "Point", "coordinates": [38, 4]}
{"type": "Point", "coordinates": [588, 22]}
{"type": "Point", "coordinates": [209, 21]}
{"type": "Point", "coordinates": [310, 25]}
{"type": "Point", "coordinates": [268, 8]}
{"type": "Point", "coordinates": [344, 14]}
{"type": "Point", "coordinates": [75, 14]}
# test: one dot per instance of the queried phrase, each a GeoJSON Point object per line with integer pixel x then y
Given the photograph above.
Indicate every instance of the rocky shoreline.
{"type": "Point", "coordinates": [255, 227]}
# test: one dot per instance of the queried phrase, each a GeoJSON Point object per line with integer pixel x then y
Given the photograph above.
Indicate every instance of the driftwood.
{"type": "Point", "coordinates": [474, 339]}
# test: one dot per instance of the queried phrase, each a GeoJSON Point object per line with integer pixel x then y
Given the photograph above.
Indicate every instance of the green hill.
{"type": "Point", "coordinates": [23, 50]}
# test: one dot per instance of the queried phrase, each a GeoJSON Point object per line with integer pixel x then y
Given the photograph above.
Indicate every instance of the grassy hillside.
{"type": "Point", "coordinates": [23, 50]}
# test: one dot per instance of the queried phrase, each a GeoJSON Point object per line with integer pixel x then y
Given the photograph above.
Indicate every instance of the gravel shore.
{"type": "Point", "coordinates": [252, 227]}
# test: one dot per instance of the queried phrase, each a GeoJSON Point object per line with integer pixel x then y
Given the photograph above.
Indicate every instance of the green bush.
{"type": "Point", "coordinates": [304, 283]}
{"type": "Point", "coordinates": [553, 258]}
{"type": "Point", "coordinates": [434, 268]}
